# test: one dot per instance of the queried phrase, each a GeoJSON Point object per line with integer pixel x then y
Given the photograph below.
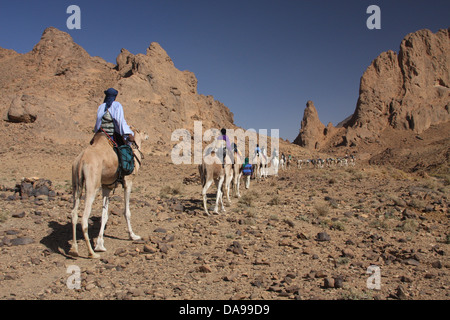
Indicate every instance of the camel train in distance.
{"type": "Point", "coordinates": [227, 174]}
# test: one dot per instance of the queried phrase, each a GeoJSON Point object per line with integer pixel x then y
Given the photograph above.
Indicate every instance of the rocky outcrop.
{"type": "Point", "coordinates": [22, 109]}
{"type": "Point", "coordinates": [406, 91]}
{"type": "Point", "coordinates": [163, 92]}
{"type": "Point", "coordinates": [58, 87]}
{"type": "Point", "coordinates": [313, 133]}
{"type": "Point", "coordinates": [312, 130]}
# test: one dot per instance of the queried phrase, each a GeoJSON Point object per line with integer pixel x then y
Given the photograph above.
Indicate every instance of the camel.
{"type": "Point", "coordinates": [283, 163]}
{"type": "Point", "coordinates": [288, 162]}
{"type": "Point", "coordinates": [257, 167]}
{"type": "Point", "coordinates": [211, 170]}
{"type": "Point", "coordinates": [264, 163]}
{"type": "Point", "coordinates": [237, 173]}
{"type": "Point", "coordinates": [260, 166]}
{"type": "Point", "coordinates": [274, 165]}
{"type": "Point", "coordinates": [96, 167]}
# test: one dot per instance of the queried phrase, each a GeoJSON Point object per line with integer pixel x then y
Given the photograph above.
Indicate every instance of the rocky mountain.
{"type": "Point", "coordinates": [56, 88]}
{"type": "Point", "coordinates": [407, 92]}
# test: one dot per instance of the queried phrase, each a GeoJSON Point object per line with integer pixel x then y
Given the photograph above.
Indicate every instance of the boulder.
{"type": "Point", "coordinates": [22, 109]}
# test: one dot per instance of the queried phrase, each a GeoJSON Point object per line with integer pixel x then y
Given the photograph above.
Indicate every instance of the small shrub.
{"type": "Point", "coordinates": [274, 201]}
{"type": "Point", "coordinates": [167, 191]}
{"type": "Point", "coordinates": [431, 184]}
{"type": "Point", "coordinates": [251, 213]}
{"type": "Point", "coordinates": [417, 204]}
{"type": "Point", "coordinates": [322, 209]}
{"type": "Point", "coordinates": [302, 218]}
{"type": "Point", "coordinates": [351, 294]}
{"type": "Point", "coordinates": [273, 217]}
{"type": "Point", "coordinates": [247, 199]}
{"type": "Point", "coordinates": [379, 224]}
{"type": "Point", "coordinates": [342, 260]}
{"type": "Point", "coordinates": [446, 179]}
{"type": "Point", "coordinates": [410, 225]}
{"type": "Point", "coordinates": [337, 225]}
{"type": "Point", "coordinates": [3, 216]}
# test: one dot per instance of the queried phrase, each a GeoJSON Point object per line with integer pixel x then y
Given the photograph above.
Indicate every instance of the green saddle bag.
{"type": "Point", "coordinates": [126, 159]}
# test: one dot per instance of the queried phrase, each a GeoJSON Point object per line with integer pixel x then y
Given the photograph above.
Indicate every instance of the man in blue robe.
{"type": "Point", "coordinates": [110, 117]}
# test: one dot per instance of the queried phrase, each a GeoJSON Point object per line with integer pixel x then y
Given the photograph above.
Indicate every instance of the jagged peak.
{"type": "Point", "coordinates": [155, 50]}
{"type": "Point", "coordinates": [57, 43]}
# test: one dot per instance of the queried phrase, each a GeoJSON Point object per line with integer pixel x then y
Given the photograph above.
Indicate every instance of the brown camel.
{"type": "Point", "coordinates": [96, 167]}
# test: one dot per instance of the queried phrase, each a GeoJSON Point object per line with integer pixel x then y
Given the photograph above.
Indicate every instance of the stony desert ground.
{"type": "Point", "coordinates": [306, 234]}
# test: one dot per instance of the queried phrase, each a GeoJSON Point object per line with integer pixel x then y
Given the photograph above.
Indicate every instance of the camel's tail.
{"type": "Point", "coordinates": [77, 181]}
{"type": "Point", "coordinates": [202, 172]}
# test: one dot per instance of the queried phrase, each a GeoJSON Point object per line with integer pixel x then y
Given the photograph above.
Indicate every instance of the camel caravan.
{"type": "Point", "coordinates": [114, 157]}
{"type": "Point", "coordinates": [225, 167]}
{"type": "Point", "coordinates": [98, 166]}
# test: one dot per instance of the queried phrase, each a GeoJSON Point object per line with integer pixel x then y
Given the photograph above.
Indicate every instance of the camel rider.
{"type": "Point", "coordinates": [236, 150]}
{"type": "Point", "coordinates": [227, 148]}
{"type": "Point", "coordinates": [258, 151]}
{"type": "Point", "coordinates": [275, 152]}
{"type": "Point", "coordinates": [247, 168]}
{"type": "Point", "coordinates": [110, 118]}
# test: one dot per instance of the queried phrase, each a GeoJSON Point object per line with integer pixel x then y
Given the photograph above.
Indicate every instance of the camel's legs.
{"type": "Point", "coordinates": [228, 186]}
{"type": "Point", "coordinates": [238, 183]}
{"type": "Point", "coordinates": [221, 198]}
{"type": "Point", "coordinates": [204, 190]}
{"type": "Point", "coordinates": [100, 242]}
{"type": "Point", "coordinates": [76, 203]}
{"type": "Point", "coordinates": [219, 195]}
{"type": "Point", "coordinates": [127, 192]}
{"type": "Point", "coordinates": [90, 197]}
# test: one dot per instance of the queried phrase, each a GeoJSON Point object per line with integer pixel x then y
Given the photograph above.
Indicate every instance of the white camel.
{"type": "Point", "coordinates": [237, 174]}
{"type": "Point", "coordinates": [212, 170]}
{"type": "Point", "coordinates": [274, 165]}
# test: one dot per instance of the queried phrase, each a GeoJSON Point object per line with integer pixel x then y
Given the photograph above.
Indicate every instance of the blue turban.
{"type": "Point", "coordinates": [110, 96]}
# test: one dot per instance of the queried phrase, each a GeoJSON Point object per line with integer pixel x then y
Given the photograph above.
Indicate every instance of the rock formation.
{"type": "Point", "coordinates": [22, 109]}
{"type": "Point", "coordinates": [165, 96]}
{"type": "Point", "coordinates": [57, 87]}
{"type": "Point", "coordinates": [312, 130]}
{"type": "Point", "coordinates": [408, 91]}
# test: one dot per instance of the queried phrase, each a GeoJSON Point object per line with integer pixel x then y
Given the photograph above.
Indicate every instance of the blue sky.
{"type": "Point", "coordinates": [264, 59]}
